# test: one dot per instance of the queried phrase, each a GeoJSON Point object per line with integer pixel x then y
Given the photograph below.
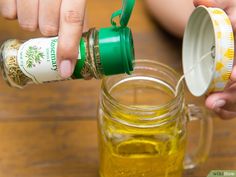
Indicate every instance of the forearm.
{"type": "Point", "coordinates": [171, 14]}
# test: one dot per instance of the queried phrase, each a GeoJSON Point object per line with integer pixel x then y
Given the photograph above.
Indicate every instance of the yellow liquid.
{"type": "Point", "coordinates": [147, 154]}
{"type": "Point", "coordinates": [141, 152]}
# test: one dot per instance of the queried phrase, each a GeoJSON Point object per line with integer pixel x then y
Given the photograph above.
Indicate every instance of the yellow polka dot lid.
{"type": "Point", "coordinates": [209, 31]}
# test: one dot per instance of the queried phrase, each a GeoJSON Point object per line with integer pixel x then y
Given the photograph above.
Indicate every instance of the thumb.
{"type": "Point", "coordinates": [222, 104]}
{"type": "Point", "coordinates": [215, 101]}
{"type": "Point", "coordinates": [71, 27]}
{"type": "Point", "coordinates": [224, 100]}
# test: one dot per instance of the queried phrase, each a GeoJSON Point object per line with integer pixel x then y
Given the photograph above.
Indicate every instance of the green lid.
{"type": "Point", "coordinates": [116, 43]}
{"type": "Point", "coordinates": [124, 13]}
{"type": "Point", "coordinates": [116, 50]}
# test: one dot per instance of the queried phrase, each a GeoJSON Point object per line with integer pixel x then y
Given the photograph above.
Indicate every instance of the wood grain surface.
{"type": "Point", "coordinates": [50, 130]}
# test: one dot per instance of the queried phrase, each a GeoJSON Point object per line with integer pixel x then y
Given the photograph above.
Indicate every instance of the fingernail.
{"type": "Point", "coordinates": [217, 110]}
{"type": "Point", "coordinates": [66, 68]}
{"type": "Point", "coordinates": [219, 104]}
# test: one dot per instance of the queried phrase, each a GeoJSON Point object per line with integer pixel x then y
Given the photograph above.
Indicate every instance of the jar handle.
{"type": "Point", "coordinates": [200, 153]}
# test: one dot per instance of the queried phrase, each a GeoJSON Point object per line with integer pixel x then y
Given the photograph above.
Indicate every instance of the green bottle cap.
{"type": "Point", "coordinates": [124, 13]}
{"type": "Point", "coordinates": [116, 50]}
{"type": "Point", "coordinates": [116, 43]}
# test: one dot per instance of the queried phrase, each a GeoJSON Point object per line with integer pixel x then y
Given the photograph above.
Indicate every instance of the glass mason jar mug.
{"type": "Point", "coordinates": [143, 125]}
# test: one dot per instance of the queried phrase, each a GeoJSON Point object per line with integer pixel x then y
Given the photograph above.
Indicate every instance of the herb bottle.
{"type": "Point", "coordinates": [103, 52]}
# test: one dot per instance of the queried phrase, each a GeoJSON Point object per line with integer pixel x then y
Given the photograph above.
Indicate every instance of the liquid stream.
{"type": "Point", "coordinates": [190, 70]}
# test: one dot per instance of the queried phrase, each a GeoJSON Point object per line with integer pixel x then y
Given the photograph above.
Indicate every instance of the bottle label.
{"type": "Point", "coordinates": [37, 58]}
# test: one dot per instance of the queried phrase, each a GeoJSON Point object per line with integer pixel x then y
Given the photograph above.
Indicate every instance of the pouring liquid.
{"type": "Point", "coordinates": [190, 70]}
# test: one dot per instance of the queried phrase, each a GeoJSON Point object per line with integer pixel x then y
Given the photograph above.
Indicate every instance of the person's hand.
{"type": "Point", "coordinates": [64, 18]}
{"type": "Point", "coordinates": [223, 103]}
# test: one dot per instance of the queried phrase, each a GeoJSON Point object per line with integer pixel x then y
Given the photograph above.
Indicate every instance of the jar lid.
{"type": "Point", "coordinates": [209, 30]}
{"type": "Point", "coordinates": [124, 13]}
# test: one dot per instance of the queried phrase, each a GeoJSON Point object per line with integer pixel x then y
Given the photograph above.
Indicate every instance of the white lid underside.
{"type": "Point", "coordinates": [199, 39]}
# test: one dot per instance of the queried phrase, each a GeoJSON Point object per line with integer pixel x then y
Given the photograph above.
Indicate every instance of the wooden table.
{"type": "Point", "coordinates": [50, 130]}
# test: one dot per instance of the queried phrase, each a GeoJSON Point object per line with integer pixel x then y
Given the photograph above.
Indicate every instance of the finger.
{"type": "Point", "coordinates": [85, 25]}
{"type": "Point", "coordinates": [224, 114]}
{"type": "Point", "coordinates": [215, 101]}
{"type": "Point", "coordinates": [27, 13]}
{"type": "Point", "coordinates": [225, 100]}
{"type": "Point", "coordinates": [228, 5]}
{"type": "Point", "coordinates": [208, 3]}
{"type": "Point", "coordinates": [223, 4]}
{"type": "Point", "coordinates": [8, 9]}
{"type": "Point", "coordinates": [233, 74]}
{"type": "Point", "coordinates": [71, 26]}
{"type": "Point", "coordinates": [49, 14]}
{"type": "Point", "coordinates": [232, 15]}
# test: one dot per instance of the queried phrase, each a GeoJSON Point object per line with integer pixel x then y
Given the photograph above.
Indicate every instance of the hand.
{"type": "Point", "coordinates": [64, 18]}
{"type": "Point", "coordinates": [223, 103]}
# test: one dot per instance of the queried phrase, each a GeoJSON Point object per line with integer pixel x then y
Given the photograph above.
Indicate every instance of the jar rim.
{"type": "Point", "coordinates": [168, 104]}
